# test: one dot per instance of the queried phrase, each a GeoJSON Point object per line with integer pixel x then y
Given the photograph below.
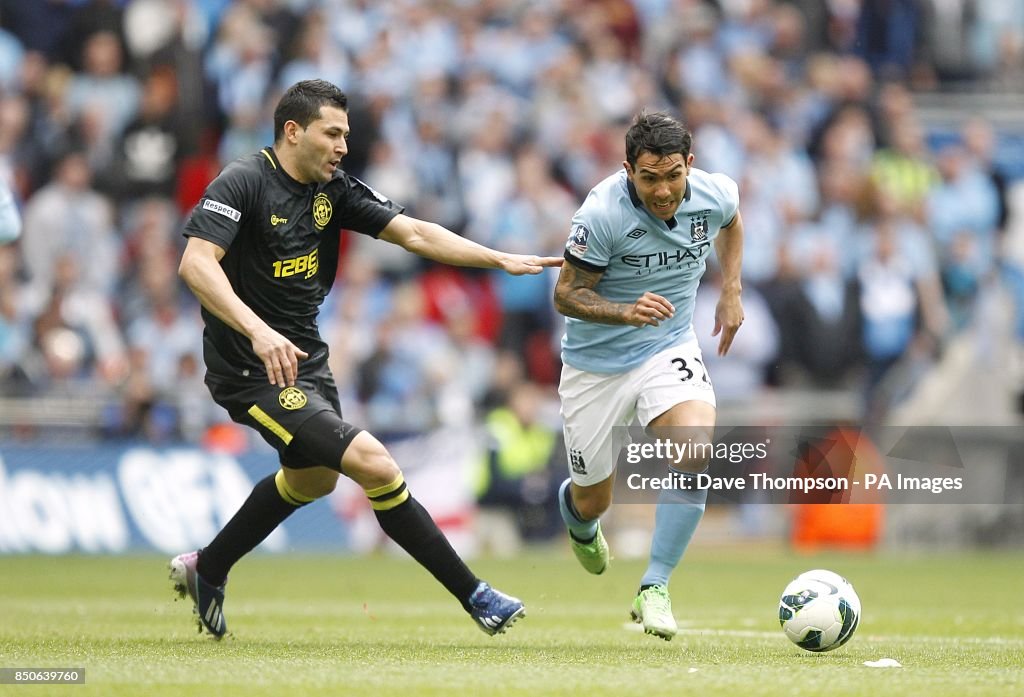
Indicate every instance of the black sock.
{"type": "Point", "coordinates": [415, 531]}
{"type": "Point", "coordinates": [262, 512]}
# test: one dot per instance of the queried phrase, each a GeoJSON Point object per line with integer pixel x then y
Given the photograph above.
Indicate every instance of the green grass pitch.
{"type": "Point", "coordinates": [320, 625]}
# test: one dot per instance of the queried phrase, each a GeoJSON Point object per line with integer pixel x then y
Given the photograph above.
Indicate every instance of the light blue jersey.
{"type": "Point", "coordinates": [613, 233]}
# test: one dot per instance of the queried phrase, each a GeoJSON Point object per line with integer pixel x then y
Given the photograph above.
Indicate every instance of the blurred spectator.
{"type": "Point", "coordinates": [697, 67]}
{"type": "Point", "coordinates": [33, 124]}
{"type": "Point", "coordinates": [240, 60]}
{"type": "Point", "coordinates": [162, 337]}
{"type": "Point", "coordinates": [901, 302]}
{"type": "Point", "coordinates": [102, 94]}
{"type": "Point", "coordinates": [40, 26]}
{"type": "Point", "coordinates": [405, 381]}
{"type": "Point", "coordinates": [962, 213]}
{"type": "Point", "coordinates": [351, 317]}
{"type": "Point", "coordinates": [817, 313]}
{"type": "Point", "coordinates": [904, 168]}
{"type": "Point", "coordinates": [172, 34]}
{"type": "Point", "coordinates": [314, 55]}
{"type": "Point", "coordinates": [145, 157]}
{"type": "Point", "coordinates": [74, 329]}
{"type": "Point", "coordinates": [477, 359]}
{"type": "Point", "coordinates": [14, 331]}
{"type": "Point", "coordinates": [248, 129]}
{"type": "Point", "coordinates": [533, 217]}
{"type": "Point", "coordinates": [433, 165]}
{"type": "Point", "coordinates": [842, 187]}
{"type": "Point", "coordinates": [90, 18]}
{"type": "Point", "coordinates": [486, 174]}
{"type": "Point", "coordinates": [889, 33]}
{"type": "Point", "coordinates": [11, 55]}
{"type": "Point", "coordinates": [967, 37]}
{"type": "Point", "coordinates": [10, 217]}
{"type": "Point", "coordinates": [150, 250]}
{"type": "Point", "coordinates": [518, 478]}
{"type": "Point", "coordinates": [979, 139]}
{"type": "Point", "coordinates": [67, 217]}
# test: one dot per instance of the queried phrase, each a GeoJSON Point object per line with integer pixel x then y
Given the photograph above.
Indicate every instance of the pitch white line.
{"type": "Point", "coordinates": [915, 639]}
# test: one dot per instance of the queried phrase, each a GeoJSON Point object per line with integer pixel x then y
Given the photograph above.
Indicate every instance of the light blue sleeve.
{"type": "Point", "coordinates": [10, 219]}
{"type": "Point", "coordinates": [728, 196]}
{"type": "Point", "coordinates": [589, 240]}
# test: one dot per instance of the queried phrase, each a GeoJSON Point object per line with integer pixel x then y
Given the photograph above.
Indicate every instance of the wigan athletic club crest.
{"type": "Point", "coordinates": [322, 211]}
{"type": "Point", "coordinates": [699, 230]}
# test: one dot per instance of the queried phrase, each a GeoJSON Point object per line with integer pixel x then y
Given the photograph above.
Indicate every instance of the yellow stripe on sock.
{"type": "Point", "coordinates": [387, 488]}
{"type": "Point", "coordinates": [288, 493]}
{"type": "Point", "coordinates": [268, 423]}
{"type": "Point", "coordinates": [388, 504]}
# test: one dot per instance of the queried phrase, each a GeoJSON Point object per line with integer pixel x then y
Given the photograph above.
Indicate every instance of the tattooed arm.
{"type": "Point", "coordinates": [575, 297]}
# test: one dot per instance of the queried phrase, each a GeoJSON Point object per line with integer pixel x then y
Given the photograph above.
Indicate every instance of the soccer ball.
{"type": "Point", "coordinates": [819, 610]}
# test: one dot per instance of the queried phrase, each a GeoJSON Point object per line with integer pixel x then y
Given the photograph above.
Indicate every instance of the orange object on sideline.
{"type": "Point", "coordinates": [851, 519]}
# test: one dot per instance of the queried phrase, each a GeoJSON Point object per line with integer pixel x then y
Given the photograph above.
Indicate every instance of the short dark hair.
{"type": "Point", "coordinates": [657, 133]}
{"type": "Point", "coordinates": [302, 101]}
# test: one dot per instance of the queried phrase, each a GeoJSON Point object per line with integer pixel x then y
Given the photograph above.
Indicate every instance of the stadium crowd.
{"type": "Point", "coordinates": [866, 243]}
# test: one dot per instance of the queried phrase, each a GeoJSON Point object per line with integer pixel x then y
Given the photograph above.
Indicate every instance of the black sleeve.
{"type": "Point", "coordinates": [220, 212]}
{"type": "Point", "coordinates": [362, 209]}
{"type": "Point", "coordinates": [585, 265]}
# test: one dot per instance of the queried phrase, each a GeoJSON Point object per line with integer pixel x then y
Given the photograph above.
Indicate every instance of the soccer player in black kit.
{"type": "Point", "coordinates": [261, 257]}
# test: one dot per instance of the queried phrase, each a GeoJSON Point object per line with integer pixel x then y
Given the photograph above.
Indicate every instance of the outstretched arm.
{"type": "Point", "coordinates": [435, 242]}
{"type": "Point", "coordinates": [575, 297]}
{"type": "Point", "coordinates": [729, 313]}
{"type": "Point", "coordinates": [201, 271]}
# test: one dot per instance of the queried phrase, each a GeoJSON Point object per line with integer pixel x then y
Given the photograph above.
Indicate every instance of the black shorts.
{"type": "Point", "coordinates": [284, 416]}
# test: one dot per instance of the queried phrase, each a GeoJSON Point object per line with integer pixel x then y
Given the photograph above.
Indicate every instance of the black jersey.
{"type": "Point", "coordinates": [281, 240]}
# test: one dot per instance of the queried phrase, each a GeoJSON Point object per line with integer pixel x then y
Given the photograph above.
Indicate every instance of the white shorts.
{"type": "Point", "coordinates": [593, 405]}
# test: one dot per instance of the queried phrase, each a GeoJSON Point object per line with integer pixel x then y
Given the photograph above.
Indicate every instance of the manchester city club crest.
{"type": "Point", "coordinates": [699, 229]}
{"type": "Point", "coordinates": [579, 466]}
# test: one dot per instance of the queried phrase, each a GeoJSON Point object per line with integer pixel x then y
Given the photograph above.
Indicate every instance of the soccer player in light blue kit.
{"type": "Point", "coordinates": [636, 252]}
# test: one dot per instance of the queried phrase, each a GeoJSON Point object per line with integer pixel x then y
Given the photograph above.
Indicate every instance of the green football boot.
{"type": "Point", "coordinates": [593, 556]}
{"type": "Point", "coordinates": [653, 609]}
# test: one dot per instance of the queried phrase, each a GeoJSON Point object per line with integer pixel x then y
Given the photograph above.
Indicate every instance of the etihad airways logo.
{"type": "Point", "coordinates": [691, 257]}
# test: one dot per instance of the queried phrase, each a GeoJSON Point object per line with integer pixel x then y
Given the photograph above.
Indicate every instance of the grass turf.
{"type": "Point", "coordinates": [380, 626]}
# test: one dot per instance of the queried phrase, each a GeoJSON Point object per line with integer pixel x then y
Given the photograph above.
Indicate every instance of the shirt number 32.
{"type": "Point", "coordinates": [686, 372]}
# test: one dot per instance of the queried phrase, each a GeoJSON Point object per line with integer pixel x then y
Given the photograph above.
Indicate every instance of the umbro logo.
{"type": "Point", "coordinates": [637, 234]}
